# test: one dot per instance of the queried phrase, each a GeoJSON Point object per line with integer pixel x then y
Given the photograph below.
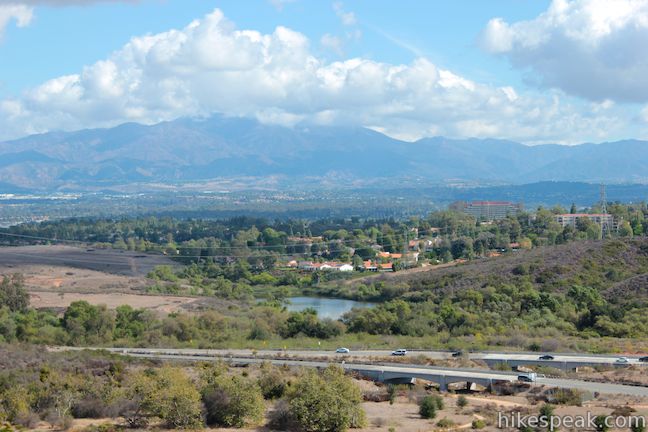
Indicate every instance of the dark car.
{"type": "Point", "coordinates": [525, 378]}
{"type": "Point", "coordinates": [546, 357]}
{"type": "Point", "coordinates": [643, 359]}
{"type": "Point", "coordinates": [457, 354]}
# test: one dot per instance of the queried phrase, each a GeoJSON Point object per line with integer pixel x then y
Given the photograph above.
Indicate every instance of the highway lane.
{"type": "Point", "coordinates": [561, 360]}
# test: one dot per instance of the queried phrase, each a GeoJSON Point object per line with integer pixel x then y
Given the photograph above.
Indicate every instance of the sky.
{"type": "Point", "coordinates": [539, 71]}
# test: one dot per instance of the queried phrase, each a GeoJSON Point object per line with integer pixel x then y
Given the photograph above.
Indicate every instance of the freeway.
{"type": "Point", "coordinates": [561, 360]}
{"type": "Point", "coordinates": [382, 372]}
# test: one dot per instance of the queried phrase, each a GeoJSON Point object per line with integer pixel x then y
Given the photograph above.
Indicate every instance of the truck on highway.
{"type": "Point", "coordinates": [528, 377]}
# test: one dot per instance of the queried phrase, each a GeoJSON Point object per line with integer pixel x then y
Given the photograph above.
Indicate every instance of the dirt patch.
{"type": "Point", "coordinates": [74, 270]}
{"type": "Point", "coordinates": [163, 304]}
{"type": "Point", "coordinates": [112, 261]}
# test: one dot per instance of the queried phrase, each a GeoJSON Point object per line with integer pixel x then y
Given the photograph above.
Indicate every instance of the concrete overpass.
{"type": "Point", "coordinates": [382, 373]}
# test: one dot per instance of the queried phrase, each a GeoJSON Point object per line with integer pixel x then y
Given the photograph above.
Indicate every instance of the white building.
{"type": "Point", "coordinates": [571, 219]}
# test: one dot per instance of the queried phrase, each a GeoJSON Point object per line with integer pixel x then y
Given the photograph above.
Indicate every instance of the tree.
{"type": "Point", "coordinates": [357, 262]}
{"type": "Point", "coordinates": [233, 401]}
{"type": "Point", "coordinates": [326, 402]}
{"type": "Point", "coordinates": [625, 230]}
{"type": "Point", "coordinates": [86, 323]}
{"type": "Point", "coordinates": [428, 407]}
{"type": "Point", "coordinates": [13, 294]}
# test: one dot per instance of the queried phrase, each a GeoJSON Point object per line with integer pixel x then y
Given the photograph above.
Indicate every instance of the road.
{"type": "Point", "coordinates": [378, 371]}
{"type": "Point", "coordinates": [561, 360]}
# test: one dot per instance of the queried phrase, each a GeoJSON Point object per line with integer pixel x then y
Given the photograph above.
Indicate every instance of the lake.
{"type": "Point", "coordinates": [325, 307]}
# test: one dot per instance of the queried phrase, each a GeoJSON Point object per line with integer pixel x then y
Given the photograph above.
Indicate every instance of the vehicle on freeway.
{"type": "Point", "coordinates": [622, 360]}
{"type": "Point", "coordinates": [546, 357]}
{"type": "Point", "coordinates": [528, 377]}
{"type": "Point", "coordinates": [643, 359]}
{"type": "Point", "coordinates": [457, 354]}
{"type": "Point", "coordinates": [342, 351]}
{"type": "Point", "coordinates": [399, 352]}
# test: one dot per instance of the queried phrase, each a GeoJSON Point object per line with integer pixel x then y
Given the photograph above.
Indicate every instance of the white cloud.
{"type": "Point", "coordinates": [19, 13]}
{"type": "Point", "coordinates": [644, 114]}
{"type": "Point", "coordinates": [333, 43]}
{"type": "Point", "coordinates": [347, 18]}
{"type": "Point", "coordinates": [210, 66]}
{"type": "Point", "coordinates": [594, 49]}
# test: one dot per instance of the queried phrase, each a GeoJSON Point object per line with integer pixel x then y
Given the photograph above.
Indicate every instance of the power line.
{"type": "Point", "coordinates": [179, 247]}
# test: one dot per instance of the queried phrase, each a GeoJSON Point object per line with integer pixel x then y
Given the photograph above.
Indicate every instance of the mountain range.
{"type": "Point", "coordinates": [194, 150]}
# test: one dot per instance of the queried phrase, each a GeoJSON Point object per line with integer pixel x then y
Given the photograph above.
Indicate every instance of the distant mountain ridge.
{"type": "Point", "coordinates": [186, 150]}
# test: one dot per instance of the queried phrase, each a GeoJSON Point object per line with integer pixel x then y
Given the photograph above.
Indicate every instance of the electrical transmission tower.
{"type": "Point", "coordinates": [605, 222]}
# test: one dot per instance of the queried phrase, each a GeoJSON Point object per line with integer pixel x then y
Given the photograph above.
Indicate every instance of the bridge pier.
{"type": "Point", "coordinates": [443, 384]}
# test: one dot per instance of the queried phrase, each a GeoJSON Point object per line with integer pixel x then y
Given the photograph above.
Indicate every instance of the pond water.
{"type": "Point", "coordinates": [325, 307]}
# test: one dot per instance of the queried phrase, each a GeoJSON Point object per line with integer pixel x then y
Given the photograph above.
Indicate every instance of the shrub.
{"type": "Point", "coordinates": [233, 401]}
{"type": "Point", "coordinates": [638, 425]}
{"type": "Point", "coordinates": [392, 392]}
{"type": "Point", "coordinates": [326, 402]}
{"type": "Point", "coordinates": [427, 407]}
{"type": "Point", "coordinates": [445, 423]}
{"type": "Point", "coordinates": [280, 417]}
{"type": "Point", "coordinates": [478, 424]}
{"type": "Point", "coordinates": [271, 382]}
{"type": "Point", "coordinates": [166, 393]}
{"type": "Point", "coordinates": [600, 424]}
{"type": "Point", "coordinates": [438, 401]}
{"type": "Point", "coordinates": [568, 397]}
{"type": "Point", "coordinates": [462, 401]}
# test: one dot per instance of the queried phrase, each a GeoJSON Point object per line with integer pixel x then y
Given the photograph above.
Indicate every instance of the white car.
{"type": "Point", "coordinates": [342, 351]}
{"type": "Point", "coordinates": [622, 360]}
{"type": "Point", "coordinates": [399, 352]}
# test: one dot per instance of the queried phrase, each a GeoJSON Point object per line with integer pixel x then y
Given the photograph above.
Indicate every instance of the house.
{"type": "Point", "coordinates": [344, 267]}
{"type": "Point", "coordinates": [307, 265]}
{"type": "Point", "coordinates": [430, 244]}
{"type": "Point", "coordinates": [369, 266]}
{"type": "Point", "coordinates": [386, 267]}
{"type": "Point", "coordinates": [325, 266]}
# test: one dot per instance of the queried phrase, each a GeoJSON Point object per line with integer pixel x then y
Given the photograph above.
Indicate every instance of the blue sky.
{"type": "Point", "coordinates": [61, 40]}
{"type": "Point", "coordinates": [541, 71]}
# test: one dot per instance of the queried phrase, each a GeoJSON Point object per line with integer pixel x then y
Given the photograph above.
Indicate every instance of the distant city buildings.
{"type": "Point", "coordinates": [488, 210]}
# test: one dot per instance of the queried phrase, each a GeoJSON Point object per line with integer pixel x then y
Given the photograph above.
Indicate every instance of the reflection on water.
{"type": "Point", "coordinates": [325, 307]}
